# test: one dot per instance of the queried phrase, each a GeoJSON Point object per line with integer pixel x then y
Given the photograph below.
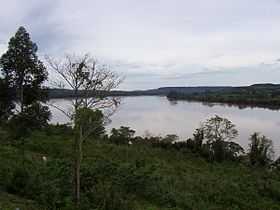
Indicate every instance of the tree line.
{"type": "Point", "coordinates": [259, 95]}
{"type": "Point", "coordinates": [214, 141]}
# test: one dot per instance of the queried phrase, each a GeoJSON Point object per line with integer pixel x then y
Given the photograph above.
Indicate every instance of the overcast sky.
{"type": "Point", "coordinates": [155, 42]}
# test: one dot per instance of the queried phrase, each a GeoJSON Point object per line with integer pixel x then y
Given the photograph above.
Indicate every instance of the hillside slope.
{"type": "Point", "coordinates": [135, 177]}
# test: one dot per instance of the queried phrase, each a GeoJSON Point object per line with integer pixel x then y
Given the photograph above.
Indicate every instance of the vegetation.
{"type": "Point", "coordinates": [260, 150]}
{"type": "Point", "coordinates": [119, 171]}
{"type": "Point", "coordinates": [261, 95]}
{"type": "Point", "coordinates": [88, 80]}
{"type": "Point", "coordinates": [23, 77]}
{"type": "Point", "coordinates": [6, 104]}
{"type": "Point", "coordinates": [153, 175]}
{"type": "Point", "coordinates": [23, 72]}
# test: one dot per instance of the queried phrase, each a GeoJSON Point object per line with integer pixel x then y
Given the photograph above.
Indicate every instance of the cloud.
{"type": "Point", "coordinates": [165, 40]}
{"type": "Point", "coordinates": [247, 75]}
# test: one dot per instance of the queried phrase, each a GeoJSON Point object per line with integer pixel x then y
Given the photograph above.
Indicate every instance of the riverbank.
{"type": "Point", "coordinates": [259, 95]}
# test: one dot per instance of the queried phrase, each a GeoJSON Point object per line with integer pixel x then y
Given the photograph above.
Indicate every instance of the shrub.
{"type": "Point", "coordinates": [219, 132]}
{"type": "Point", "coordinates": [260, 150]}
{"type": "Point", "coordinates": [122, 135]}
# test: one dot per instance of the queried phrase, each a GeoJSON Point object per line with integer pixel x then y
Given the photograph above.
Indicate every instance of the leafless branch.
{"type": "Point", "coordinates": [90, 81]}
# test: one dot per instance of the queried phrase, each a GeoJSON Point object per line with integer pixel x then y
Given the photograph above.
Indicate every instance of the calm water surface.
{"type": "Point", "coordinates": [158, 116]}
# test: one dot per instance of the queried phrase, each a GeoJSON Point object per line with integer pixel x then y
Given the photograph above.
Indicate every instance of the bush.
{"type": "Point", "coordinates": [123, 135]}
{"type": "Point", "coordinates": [219, 132]}
{"type": "Point", "coordinates": [260, 150]}
{"type": "Point", "coordinates": [109, 185]}
{"type": "Point", "coordinates": [47, 184]}
{"type": "Point", "coordinates": [33, 117]}
{"type": "Point", "coordinates": [19, 182]}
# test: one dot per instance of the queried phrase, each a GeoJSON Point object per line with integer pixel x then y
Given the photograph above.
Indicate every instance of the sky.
{"type": "Point", "coordinates": [156, 43]}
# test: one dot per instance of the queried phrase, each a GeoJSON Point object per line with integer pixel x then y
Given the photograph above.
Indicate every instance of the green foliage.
{"type": "Point", "coordinates": [135, 177]}
{"type": "Point", "coordinates": [33, 117]}
{"type": "Point", "coordinates": [90, 121]}
{"type": "Point", "coordinates": [233, 150]}
{"type": "Point", "coordinates": [46, 183]}
{"type": "Point", "coordinates": [218, 132]}
{"type": "Point", "coordinates": [6, 104]}
{"type": "Point", "coordinates": [195, 144]}
{"type": "Point", "coordinates": [219, 129]}
{"type": "Point", "coordinates": [276, 164]}
{"type": "Point", "coordinates": [22, 68]}
{"type": "Point", "coordinates": [122, 135]}
{"type": "Point", "coordinates": [59, 129]}
{"type": "Point", "coordinates": [213, 148]}
{"type": "Point", "coordinates": [24, 74]}
{"type": "Point", "coordinates": [12, 202]}
{"type": "Point", "coordinates": [262, 95]}
{"type": "Point", "coordinates": [260, 150]}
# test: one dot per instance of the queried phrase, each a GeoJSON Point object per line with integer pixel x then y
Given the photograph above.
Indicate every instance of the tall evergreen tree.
{"type": "Point", "coordinates": [23, 70]}
{"type": "Point", "coordinates": [25, 74]}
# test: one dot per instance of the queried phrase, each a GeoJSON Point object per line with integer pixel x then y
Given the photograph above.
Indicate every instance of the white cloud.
{"type": "Point", "coordinates": [160, 37]}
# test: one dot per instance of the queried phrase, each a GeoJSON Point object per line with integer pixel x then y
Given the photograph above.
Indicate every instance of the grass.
{"type": "Point", "coordinates": [140, 177]}
{"type": "Point", "coordinates": [11, 202]}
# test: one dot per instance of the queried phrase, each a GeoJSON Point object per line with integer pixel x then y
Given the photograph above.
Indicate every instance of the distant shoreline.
{"type": "Point", "coordinates": [164, 91]}
{"type": "Point", "coordinates": [257, 95]}
{"type": "Point", "coordinates": [261, 95]}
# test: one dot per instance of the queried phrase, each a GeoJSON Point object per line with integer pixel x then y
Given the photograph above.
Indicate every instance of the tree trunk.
{"type": "Point", "coordinates": [78, 157]}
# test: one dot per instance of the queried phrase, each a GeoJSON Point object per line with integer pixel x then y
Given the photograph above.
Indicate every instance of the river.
{"type": "Point", "coordinates": [158, 116]}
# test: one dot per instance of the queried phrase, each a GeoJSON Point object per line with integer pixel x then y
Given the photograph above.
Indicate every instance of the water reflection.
{"type": "Point", "coordinates": [238, 105]}
{"type": "Point", "coordinates": [159, 116]}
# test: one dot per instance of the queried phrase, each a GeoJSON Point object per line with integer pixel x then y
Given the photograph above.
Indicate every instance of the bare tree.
{"type": "Point", "coordinates": [91, 83]}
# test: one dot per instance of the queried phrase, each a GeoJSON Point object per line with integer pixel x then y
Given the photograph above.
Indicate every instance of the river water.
{"type": "Point", "coordinates": [158, 116]}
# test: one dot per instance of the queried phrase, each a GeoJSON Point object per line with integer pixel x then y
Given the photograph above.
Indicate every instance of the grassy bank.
{"type": "Point", "coordinates": [129, 177]}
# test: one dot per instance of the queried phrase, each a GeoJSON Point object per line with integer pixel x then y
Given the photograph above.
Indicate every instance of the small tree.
{"type": "Point", "coordinates": [34, 117]}
{"type": "Point", "coordinates": [86, 119]}
{"type": "Point", "coordinates": [233, 150]}
{"type": "Point", "coordinates": [260, 150]}
{"type": "Point", "coordinates": [218, 131]}
{"type": "Point", "coordinates": [196, 143]}
{"type": "Point", "coordinates": [122, 135]}
{"type": "Point", "coordinates": [91, 83]}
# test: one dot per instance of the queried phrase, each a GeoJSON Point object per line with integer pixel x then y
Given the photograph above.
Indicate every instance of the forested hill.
{"type": "Point", "coordinates": [165, 91]}
{"type": "Point", "coordinates": [262, 95]}
{"type": "Point", "coordinates": [66, 93]}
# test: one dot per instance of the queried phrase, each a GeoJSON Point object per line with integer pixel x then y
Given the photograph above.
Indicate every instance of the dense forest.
{"type": "Point", "coordinates": [80, 166]}
{"type": "Point", "coordinates": [261, 95]}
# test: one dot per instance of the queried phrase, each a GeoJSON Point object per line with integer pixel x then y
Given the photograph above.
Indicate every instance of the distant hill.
{"type": "Point", "coordinates": [66, 93]}
{"type": "Point", "coordinates": [164, 91]}
{"type": "Point", "coordinates": [261, 95]}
